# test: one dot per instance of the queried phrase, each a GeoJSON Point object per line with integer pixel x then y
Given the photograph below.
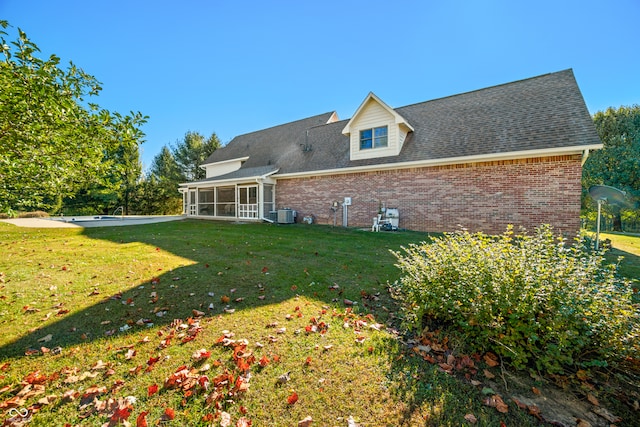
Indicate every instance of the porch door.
{"type": "Point", "coordinates": [248, 202]}
{"type": "Point", "coordinates": [193, 203]}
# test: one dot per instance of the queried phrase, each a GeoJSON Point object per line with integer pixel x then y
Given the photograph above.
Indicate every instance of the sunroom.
{"type": "Point", "coordinates": [246, 194]}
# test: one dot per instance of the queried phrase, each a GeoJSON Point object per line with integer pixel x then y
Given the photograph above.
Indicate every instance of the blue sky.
{"type": "Point", "coordinates": [233, 67]}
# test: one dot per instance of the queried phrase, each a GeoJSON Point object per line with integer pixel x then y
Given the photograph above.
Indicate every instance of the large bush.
{"type": "Point", "coordinates": [531, 298]}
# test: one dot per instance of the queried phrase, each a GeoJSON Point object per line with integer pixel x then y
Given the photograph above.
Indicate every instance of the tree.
{"type": "Point", "coordinates": [618, 163]}
{"type": "Point", "coordinates": [53, 143]}
{"type": "Point", "coordinates": [164, 167]}
{"type": "Point", "coordinates": [192, 152]}
{"type": "Point", "coordinates": [158, 192]}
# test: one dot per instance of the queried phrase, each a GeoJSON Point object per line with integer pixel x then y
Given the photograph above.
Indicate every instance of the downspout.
{"type": "Point", "coordinates": [585, 155]}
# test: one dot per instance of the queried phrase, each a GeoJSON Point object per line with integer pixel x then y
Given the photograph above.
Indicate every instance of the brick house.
{"type": "Point", "coordinates": [507, 154]}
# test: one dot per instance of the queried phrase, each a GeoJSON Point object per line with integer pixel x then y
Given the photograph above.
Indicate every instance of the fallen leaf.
{"type": "Point", "coordinates": [591, 398]}
{"type": "Point", "coordinates": [496, 401]}
{"type": "Point", "coordinates": [264, 361]}
{"type": "Point", "coordinates": [152, 389]}
{"type": "Point", "coordinates": [293, 398]}
{"type": "Point", "coordinates": [488, 374]}
{"type": "Point", "coordinates": [169, 413]}
{"type": "Point", "coordinates": [491, 359]}
{"type": "Point", "coordinates": [535, 411]}
{"type": "Point", "coordinates": [201, 354]}
{"type": "Point", "coordinates": [451, 360]}
{"type": "Point", "coordinates": [47, 400]}
{"type": "Point", "coordinates": [471, 418]}
{"type": "Point", "coordinates": [225, 419]}
{"type": "Point", "coordinates": [519, 404]}
{"type": "Point", "coordinates": [141, 421]}
{"type": "Point", "coordinates": [99, 365]}
{"type": "Point", "coordinates": [69, 395]}
{"type": "Point", "coordinates": [306, 422]}
{"type": "Point", "coordinates": [243, 422]}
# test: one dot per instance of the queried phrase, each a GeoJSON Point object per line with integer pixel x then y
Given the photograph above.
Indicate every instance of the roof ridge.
{"type": "Point", "coordinates": [328, 113]}
{"type": "Point", "coordinates": [487, 88]}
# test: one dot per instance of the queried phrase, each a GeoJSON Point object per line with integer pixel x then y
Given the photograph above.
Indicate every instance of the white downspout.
{"type": "Point", "coordinates": [585, 155]}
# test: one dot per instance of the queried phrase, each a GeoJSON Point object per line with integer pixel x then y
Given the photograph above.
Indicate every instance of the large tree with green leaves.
{"type": "Point", "coordinates": [618, 163]}
{"type": "Point", "coordinates": [53, 141]}
{"type": "Point", "coordinates": [191, 152]}
{"type": "Point", "coordinates": [158, 192]}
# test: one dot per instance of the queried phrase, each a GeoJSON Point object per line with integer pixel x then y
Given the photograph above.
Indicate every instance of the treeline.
{"type": "Point", "coordinates": [616, 165]}
{"type": "Point", "coordinates": [154, 192]}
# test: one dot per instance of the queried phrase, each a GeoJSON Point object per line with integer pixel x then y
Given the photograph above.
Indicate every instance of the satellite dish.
{"type": "Point", "coordinates": [606, 194]}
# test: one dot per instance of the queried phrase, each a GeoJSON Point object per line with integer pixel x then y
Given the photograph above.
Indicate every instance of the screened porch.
{"type": "Point", "coordinates": [238, 201]}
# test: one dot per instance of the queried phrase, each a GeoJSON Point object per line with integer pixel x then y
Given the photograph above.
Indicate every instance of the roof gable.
{"type": "Point", "coordinates": [366, 104]}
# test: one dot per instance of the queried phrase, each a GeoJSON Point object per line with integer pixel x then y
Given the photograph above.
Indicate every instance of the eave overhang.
{"type": "Point", "coordinates": [547, 152]}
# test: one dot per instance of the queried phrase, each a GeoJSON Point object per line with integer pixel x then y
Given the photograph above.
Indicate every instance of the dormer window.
{"type": "Point", "coordinates": [374, 138]}
{"type": "Point", "coordinates": [375, 130]}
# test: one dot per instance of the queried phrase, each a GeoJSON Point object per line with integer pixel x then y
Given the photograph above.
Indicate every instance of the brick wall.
{"type": "Point", "coordinates": [479, 196]}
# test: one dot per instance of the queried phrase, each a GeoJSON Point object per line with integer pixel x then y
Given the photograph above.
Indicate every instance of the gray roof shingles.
{"type": "Point", "coordinates": [542, 112]}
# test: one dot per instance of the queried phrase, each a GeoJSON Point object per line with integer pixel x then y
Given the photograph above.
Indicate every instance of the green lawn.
{"type": "Point", "coordinates": [627, 247]}
{"type": "Point", "coordinates": [200, 309]}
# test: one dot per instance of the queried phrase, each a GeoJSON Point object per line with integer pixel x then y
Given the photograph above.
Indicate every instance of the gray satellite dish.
{"type": "Point", "coordinates": [606, 194]}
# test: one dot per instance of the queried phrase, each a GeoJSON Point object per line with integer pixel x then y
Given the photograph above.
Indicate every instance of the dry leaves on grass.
{"type": "Point", "coordinates": [218, 391]}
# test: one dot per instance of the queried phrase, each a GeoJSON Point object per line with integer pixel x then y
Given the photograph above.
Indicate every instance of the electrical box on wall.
{"type": "Point", "coordinates": [347, 201]}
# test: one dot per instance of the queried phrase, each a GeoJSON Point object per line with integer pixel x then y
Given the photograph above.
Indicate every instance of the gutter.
{"type": "Point", "coordinates": [446, 161]}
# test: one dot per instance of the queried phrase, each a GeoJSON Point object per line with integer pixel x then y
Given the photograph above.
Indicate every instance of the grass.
{"type": "Point", "coordinates": [309, 300]}
{"type": "Point", "coordinates": [627, 247]}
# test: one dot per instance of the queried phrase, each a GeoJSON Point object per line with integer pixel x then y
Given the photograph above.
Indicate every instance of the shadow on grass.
{"type": "Point", "coordinates": [629, 266]}
{"type": "Point", "coordinates": [431, 397]}
{"type": "Point", "coordinates": [255, 264]}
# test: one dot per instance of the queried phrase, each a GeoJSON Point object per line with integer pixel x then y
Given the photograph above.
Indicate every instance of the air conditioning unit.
{"type": "Point", "coordinates": [286, 216]}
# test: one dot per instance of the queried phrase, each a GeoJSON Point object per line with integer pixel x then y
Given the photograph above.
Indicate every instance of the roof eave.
{"type": "Point", "coordinates": [208, 183]}
{"type": "Point", "coordinates": [238, 159]}
{"type": "Point", "coordinates": [580, 149]}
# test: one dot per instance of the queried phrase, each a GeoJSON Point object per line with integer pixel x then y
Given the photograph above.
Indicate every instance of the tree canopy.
{"type": "Point", "coordinates": [53, 142]}
{"type": "Point", "coordinates": [618, 163]}
{"type": "Point", "coordinates": [158, 192]}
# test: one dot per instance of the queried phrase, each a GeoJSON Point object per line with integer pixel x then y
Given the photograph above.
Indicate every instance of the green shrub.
{"type": "Point", "coordinates": [33, 214]}
{"type": "Point", "coordinates": [532, 299]}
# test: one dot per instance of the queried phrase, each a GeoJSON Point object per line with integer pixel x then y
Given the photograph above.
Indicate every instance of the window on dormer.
{"type": "Point", "coordinates": [374, 138]}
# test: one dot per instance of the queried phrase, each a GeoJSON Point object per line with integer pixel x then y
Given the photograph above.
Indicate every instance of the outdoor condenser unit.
{"type": "Point", "coordinates": [286, 216]}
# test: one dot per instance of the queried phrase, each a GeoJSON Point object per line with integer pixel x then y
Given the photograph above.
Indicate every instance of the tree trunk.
{"type": "Point", "coordinates": [617, 222]}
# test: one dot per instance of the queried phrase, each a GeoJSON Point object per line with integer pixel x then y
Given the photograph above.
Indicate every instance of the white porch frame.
{"type": "Point", "coordinates": [247, 206]}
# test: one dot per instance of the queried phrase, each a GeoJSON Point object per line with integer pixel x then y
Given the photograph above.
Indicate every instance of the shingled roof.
{"type": "Point", "coordinates": [546, 112]}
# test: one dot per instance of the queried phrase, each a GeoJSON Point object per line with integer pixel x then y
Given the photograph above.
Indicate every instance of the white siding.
{"type": "Point", "coordinates": [217, 169]}
{"type": "Point", "coordinates": [375, 115]}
